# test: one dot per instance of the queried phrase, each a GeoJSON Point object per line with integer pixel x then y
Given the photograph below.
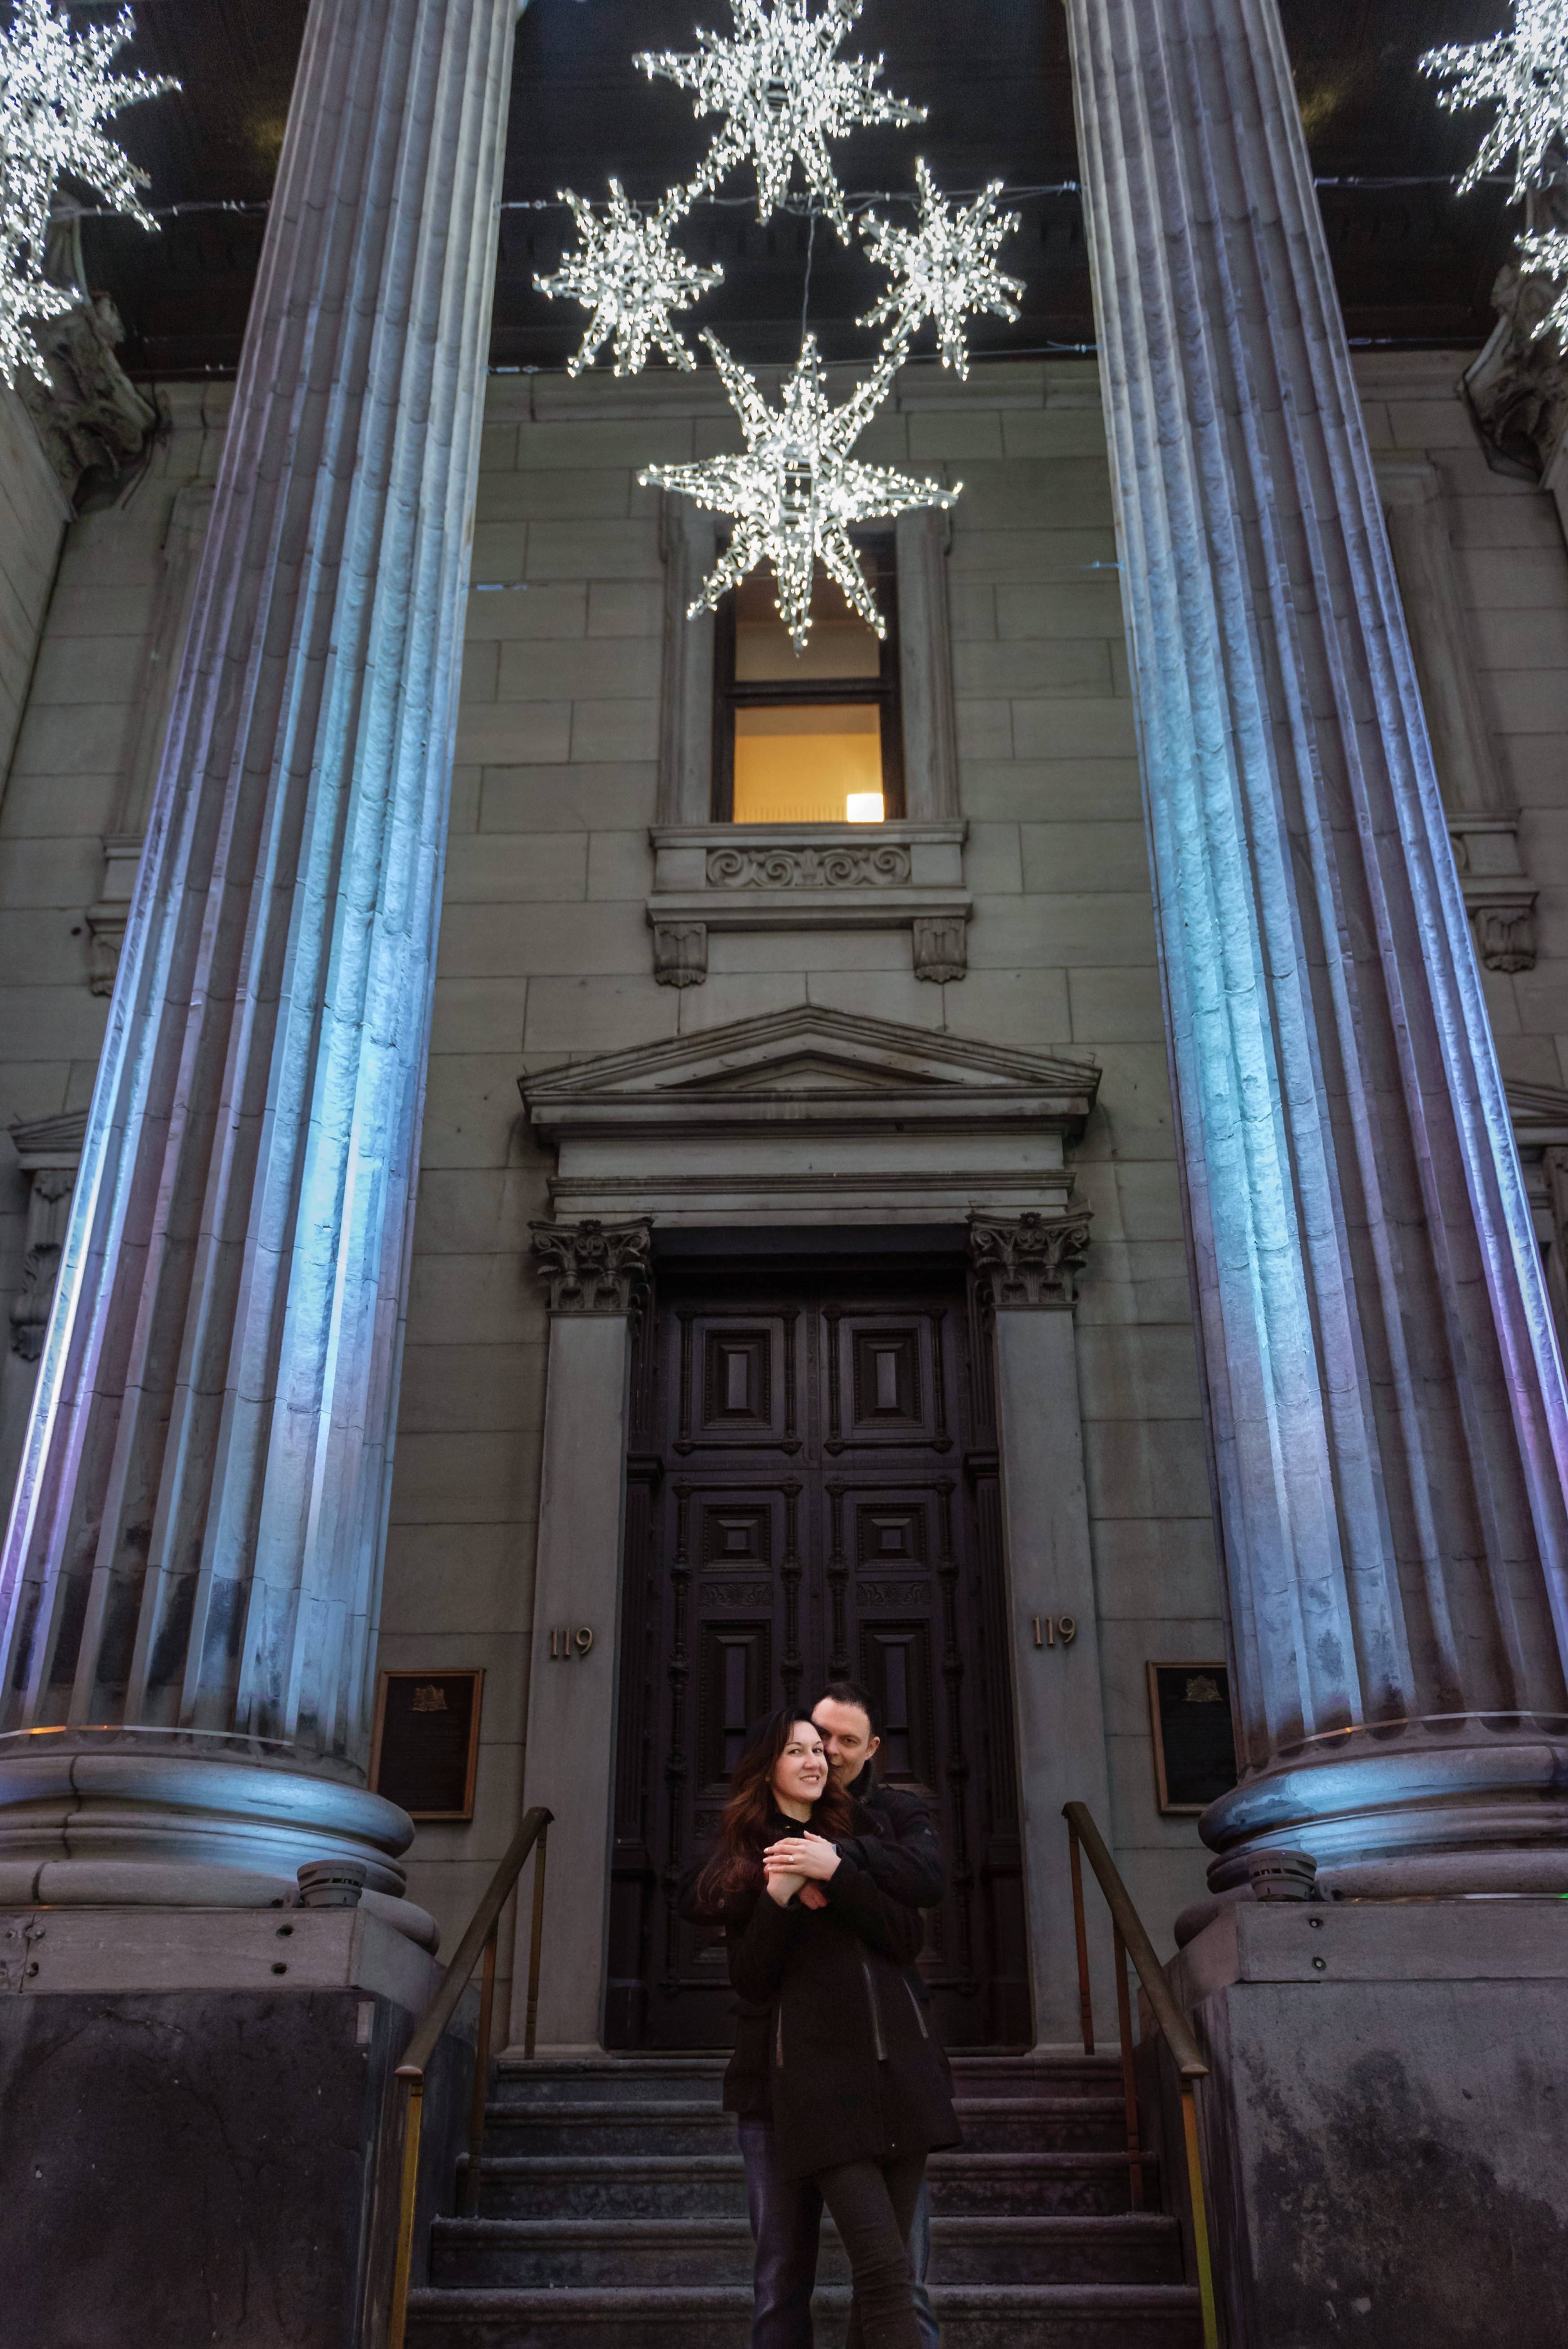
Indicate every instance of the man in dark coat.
{"type": "Point", "coordinates": [903, 1860]}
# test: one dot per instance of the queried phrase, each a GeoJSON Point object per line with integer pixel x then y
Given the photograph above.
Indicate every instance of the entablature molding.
{"type": "Point", "coordinates": [813, 1116]}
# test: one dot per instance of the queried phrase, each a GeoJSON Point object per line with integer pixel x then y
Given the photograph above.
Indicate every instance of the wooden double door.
{"type": "Point", "coordinates": [812, 1493]}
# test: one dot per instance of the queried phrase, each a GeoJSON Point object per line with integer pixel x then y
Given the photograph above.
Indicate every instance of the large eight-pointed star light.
{"type": "Point", "coordinates": [785, 92]}
{"type": "Point", "coordinates": [1525, 73]}
{"type": "Point", "coordinates": [56, 94]}
{"type": "Point", "coordinates": [795, 492]}
{"type": "Point", "coordinates": [944, 269]}
{"type": "Point", "coordinates": [627, 271]}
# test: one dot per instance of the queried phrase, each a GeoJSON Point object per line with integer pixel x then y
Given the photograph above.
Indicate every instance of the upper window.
{"type": "Point", "coordinates": [813, 737]}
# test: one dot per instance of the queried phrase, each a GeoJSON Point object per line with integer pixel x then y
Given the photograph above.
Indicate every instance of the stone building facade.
{"type": "Point", "coordinates": [563, 793]}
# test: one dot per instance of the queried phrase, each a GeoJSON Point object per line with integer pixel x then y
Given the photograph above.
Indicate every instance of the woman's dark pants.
{"type": "Point", "coordinates": [785, 2222]}
{"type": "Point", "coordinates": [873, 2203]}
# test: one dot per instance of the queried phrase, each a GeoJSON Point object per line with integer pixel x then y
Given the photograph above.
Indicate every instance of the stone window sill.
{"type": "Point", "coordinates": [807, 876]}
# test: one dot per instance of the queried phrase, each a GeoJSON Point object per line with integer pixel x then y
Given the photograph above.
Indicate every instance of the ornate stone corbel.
{"type": "Point", "coordinates": [941, 946]}
{"type": "Point", "coordinates": [680, 953]}
{"type": "Point", "coordinates": [49, 1150]}
{"type": "Point", "coordinates": [591, 1267]}
{"type": "Point", "coordinates": [1030, 1260]}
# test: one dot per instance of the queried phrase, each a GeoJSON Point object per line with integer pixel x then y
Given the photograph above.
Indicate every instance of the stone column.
{"type": "Point", "coordinates": [1385, 1398]}
{"type": "Point", "coordinates": [597, 1274]}
{"type": "Point", "coordinates": [1026, 1271]}
{"type": "Point", "coordinates": [191, 1575]}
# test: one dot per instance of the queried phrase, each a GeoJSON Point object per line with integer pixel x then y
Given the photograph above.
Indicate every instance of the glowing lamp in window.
{"type": "Point", "coordinates": [863, 807]}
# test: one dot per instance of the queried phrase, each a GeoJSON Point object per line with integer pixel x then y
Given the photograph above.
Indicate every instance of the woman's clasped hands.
{"type": "Point", "coordinates": [801, 1864]}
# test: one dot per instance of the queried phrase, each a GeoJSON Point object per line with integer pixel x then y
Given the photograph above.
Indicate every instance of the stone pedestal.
{"type": "Point", "coordinates": [1383, 2125]}
{"type": "Point", "coordinates": [196, 2145]}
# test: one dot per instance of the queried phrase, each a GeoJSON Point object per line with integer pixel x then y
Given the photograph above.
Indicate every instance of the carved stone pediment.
{"type": "Point", "coordinates": [813, 1116]}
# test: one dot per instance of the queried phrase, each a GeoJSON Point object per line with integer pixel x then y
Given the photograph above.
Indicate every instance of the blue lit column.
{"type": "Point", "coordinates": [191, 1576]}
{"type": "Point", "coordinates": [1385, 1400]}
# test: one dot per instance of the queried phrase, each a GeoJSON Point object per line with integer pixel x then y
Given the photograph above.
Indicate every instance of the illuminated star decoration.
{"type": "Point", "coordinates": [56, 93]}
{"type": "Point", "coordinates": [1544, 253]}
{"type": "Point", "coordinates": [627, 271]}
{"type": "Point", "coordinates": [795, 492]}
{"type": "Point", "coordinates": [1525, 73]}
{"type": "Point", "coordinates": [944, 269]}
{"type": "Point", "coordinates": [785, 92]}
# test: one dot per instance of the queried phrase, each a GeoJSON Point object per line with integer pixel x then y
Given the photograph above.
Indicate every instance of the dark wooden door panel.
{"type": "Point", "coordinates": [813, 1495]}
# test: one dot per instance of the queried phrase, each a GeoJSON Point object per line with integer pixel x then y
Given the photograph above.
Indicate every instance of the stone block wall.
{"type": "Point", "coordinates": [546, 955]}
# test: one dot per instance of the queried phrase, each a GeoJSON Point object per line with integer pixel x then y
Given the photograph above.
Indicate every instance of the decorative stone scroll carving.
{"type": "Point", "coordinates": [852, 867]}
{"type": "Point", "coordinates": [1504, 926]}
{"type": "Point", "coordinates": [1029, 1261]}
{"type": "Point", "coordinates": [593, 1267]}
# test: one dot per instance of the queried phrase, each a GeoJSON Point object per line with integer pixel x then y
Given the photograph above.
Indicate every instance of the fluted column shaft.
{"type": "Point", "coordinates": [194, 1557]}
{"type": "Point", "coordinates": [1386, 1400]}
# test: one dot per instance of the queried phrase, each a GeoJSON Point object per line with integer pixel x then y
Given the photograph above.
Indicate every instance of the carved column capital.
{"type": "Point", "coordinates": [1029, 1261]}
{"type": "Point", "coordinates": [591, 1267]}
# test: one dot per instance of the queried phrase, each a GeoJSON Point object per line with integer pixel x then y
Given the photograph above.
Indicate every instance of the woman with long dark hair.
{"type": "Point", "coordinates": [833, 2047]}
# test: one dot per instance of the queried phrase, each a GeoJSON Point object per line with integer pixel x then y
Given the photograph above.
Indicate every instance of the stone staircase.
{"type": "Point", "coordinates": [614, 2216]}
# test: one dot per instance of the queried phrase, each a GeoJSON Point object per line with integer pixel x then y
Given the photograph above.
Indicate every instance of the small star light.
{"type": "Point", "coordinates": [944, 269]}
{"type": "Point", "coordinates": [55, 92]}
{"type": "Point", "coordinates": [1526, 72]}
{"type": "Point", "coordinates": [786, 94]}
{"type": "Point", "coordinates": [627, 271]}
{"type": "Point", "coordinates": [1544, 253]}
{"type": "Point", "coordinates": [796, 490]}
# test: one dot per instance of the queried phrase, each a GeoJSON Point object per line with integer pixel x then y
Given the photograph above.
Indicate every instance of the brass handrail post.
{"type": "Point", "coordinates": [1132, 1940]}
{"type": "Point", "coordinates": [478, 1940]}
{"type": "Point", "coordinates": [412, 2084]}
{"type": "Point", "coordinates": [536, 1937]}
{"type": "Point", "coordinates": [1080, 1933]}
{"type": "Point", "coordinates": [481, 2082]}
{"type": "Point", "coordinates": [1129, 2082]}
{"type": "Point", "coordinates": [1200, 2216]}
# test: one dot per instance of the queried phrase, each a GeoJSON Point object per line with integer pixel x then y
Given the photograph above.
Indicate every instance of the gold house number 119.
{"type": "Point", "coordinates": [1051, 1629]}
{"type": "Point", "coordinates": [570, 1639]}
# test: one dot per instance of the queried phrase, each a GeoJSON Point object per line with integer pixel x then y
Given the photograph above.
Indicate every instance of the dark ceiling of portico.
{"type": "Point", "coordinates": [1414, 263]}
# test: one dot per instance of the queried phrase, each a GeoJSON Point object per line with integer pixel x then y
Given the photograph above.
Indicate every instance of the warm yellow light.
{"type": "Point", "coordinates": [807, 763]}
{"type": "Point", "coordinates": [863, 807]}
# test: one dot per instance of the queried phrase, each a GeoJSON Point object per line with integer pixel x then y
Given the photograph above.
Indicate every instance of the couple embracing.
{"type": "Point", "coordinates": [818, 1875]}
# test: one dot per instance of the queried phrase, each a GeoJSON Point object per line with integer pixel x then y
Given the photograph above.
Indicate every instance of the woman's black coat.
{"type": "Point", "coordinates": [834, 2044]}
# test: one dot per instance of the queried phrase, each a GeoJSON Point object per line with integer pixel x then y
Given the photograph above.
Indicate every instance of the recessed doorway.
{"type": "Point", "coordinates": [812, 1492]}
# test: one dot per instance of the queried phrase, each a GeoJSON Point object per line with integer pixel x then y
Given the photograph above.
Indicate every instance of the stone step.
{"type": "Point", "coordinates": [566, 2254]}
{"type": "Point", "coordinates": [719, 2316]}
{"type": "Point", "coordinates": [616, 2080]}
{"type": "Point", "coordinates": [687, 2124]}
{"type": "Point", "coordinates": [712, 2185]}
{"type": "Point", "coordinates": [632, 2079]}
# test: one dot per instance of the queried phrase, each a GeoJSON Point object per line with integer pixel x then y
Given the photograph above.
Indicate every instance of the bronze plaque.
{"type": "Point", "coordinates": [1194, 1748]}
{"type": "Point", "coordinates": [427, 1746]}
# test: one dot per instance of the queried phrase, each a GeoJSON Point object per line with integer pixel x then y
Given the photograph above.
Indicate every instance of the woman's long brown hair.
{"type": "Point", "coordinates": [734, 1867]}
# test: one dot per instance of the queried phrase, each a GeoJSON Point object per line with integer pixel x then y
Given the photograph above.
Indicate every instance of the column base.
{"type": "Point", "coordinates": [1382, 2126]}
{"type": "Point", "coordinates": [1453, 1804]}
{"type": "Point", "coordinates": [151, 1819]}
{"type": "Point", "coordinates": [200, 2139]}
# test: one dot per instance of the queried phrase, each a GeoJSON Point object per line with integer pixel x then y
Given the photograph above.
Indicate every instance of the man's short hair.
{"type": "Point", "coordinates": [851, 1692]}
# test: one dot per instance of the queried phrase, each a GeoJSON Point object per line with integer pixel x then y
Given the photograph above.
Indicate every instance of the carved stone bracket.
{"type": "Point", "coordinates": [941, 946]}
{"type": "Point", "coordinates": [1029, 1261]}
{"type": "Point", "coordinates": [89, 416]}
{"type": "Point", "coordinates": [680, 953]}
{"type": "Point", "coordinates": [591, 1266]}
{"type": "Point", "coordinates": [49, 1150]}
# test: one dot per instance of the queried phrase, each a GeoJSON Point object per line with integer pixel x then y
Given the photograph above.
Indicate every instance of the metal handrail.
{"type": "Point", "coordinates": [1132, 1940]}
{"type": "Point", "coordinates": [480, 1940]}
